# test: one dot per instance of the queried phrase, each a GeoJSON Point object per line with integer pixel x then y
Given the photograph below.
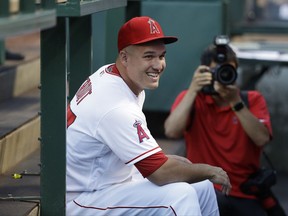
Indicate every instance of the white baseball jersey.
{"type": "Point", "coordinates": [106, 136]}
{"type": "Point", "coordinates": [106, 133]}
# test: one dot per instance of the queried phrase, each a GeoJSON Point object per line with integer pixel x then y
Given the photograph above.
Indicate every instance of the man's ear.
{"type": "Point", "coordinates": [123, 57]}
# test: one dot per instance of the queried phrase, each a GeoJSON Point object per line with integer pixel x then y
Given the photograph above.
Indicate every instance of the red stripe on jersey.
{"type": "Point", "coordinates": [70, 116]}
{"type": "Point", "coordinates": [121, 207]}
{"type": "Point", "coordinates": [142, 155]}
{"type": "Point", "coordinates": [150, 164]}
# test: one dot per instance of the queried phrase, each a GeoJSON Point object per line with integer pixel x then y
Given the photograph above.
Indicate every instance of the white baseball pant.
{"type": "Point", "coordinates": [143, 198]}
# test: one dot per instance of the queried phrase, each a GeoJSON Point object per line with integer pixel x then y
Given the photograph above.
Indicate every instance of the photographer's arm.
{"type": "Point", "coordinates": [256, 130]}
{"type": "Point", "coordinates": [176, 122]}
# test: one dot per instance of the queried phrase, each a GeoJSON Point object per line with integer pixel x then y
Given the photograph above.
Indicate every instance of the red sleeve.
{"type": "Point", "coordinates": [150, 164]}
{"type": "Point", "coordinates": [70, 116]}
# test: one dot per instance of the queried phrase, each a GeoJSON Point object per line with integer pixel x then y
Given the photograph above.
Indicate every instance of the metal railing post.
{"type": "Point", "coordinates": [27, 6]}
{"type": "Point", "coordinates": [53, 120]}
{"type": "Point", "coordinates": [4, 8]}
{"type": "Point", "coordinates": [4, 12]}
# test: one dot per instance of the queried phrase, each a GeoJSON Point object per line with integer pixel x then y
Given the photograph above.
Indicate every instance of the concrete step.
{"type": "Point", "coordinates": [16, 80]}
{"type": "Point", "coordinates": [20, 151]}
{"type": "Point", "coordinates": [20, 196]}
{"type": "Point", "coordinates": [20, 76]}
{"type": "Point", "coordinates": [20, 128]}
{"type": "Point", "coordinates": [19, 101]}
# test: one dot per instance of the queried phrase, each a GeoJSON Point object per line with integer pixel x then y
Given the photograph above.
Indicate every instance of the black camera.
{"type": "Point", "coordinates": [224, 73]}
{"type": "Point", "coordinates": [260, 182]}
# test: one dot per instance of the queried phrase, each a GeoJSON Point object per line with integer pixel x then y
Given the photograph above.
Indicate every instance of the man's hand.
{"type": "Point", "coordinates": [229, 93]}
{"type": "Point", "coordinates": [219, 176]}
{"type": "Point", "coordinates": [201, 77]}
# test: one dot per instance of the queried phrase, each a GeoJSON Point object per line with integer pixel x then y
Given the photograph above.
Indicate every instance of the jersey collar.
{"type": "Point", "coordinates": [112, 69]}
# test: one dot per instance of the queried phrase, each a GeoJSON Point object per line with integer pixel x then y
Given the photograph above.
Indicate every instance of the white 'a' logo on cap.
{"type": "Point", "coordinates": [153, 27]}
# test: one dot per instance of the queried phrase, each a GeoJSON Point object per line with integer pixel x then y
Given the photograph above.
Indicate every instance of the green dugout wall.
{"type": "Point", "coordinates": [195, 23]}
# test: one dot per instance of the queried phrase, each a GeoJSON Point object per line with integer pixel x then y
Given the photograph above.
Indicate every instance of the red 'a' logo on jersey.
{"type": "Point", "coordinates": [141, 133]}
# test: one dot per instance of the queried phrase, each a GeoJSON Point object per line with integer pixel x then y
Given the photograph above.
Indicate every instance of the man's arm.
{"type": "Point", "coordinates": [179, 169]}
{"type": "Point", "coordinates": [256, 130]}
{"type": "Point", "coordinates": [176, 122]}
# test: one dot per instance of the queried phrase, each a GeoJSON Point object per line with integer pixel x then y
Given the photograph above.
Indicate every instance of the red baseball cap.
{"type": "Point", "coordinates": [140, 30]}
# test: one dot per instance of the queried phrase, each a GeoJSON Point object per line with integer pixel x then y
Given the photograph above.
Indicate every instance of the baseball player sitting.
{"type": "Point", "coordinates": [114, 165]}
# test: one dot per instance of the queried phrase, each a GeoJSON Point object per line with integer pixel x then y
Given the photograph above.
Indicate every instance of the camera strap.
{"type": "Point", "coordinates": [244, 97]}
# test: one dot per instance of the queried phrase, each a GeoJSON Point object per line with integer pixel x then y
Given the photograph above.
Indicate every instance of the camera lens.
{"type": "Point", "coordinates": [226, 74]}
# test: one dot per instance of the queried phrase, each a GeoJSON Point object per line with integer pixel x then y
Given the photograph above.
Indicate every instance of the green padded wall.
{"type": "Point", "coordinates": [195, 23]}
{"type": "Point", "coordinates": [105, 31]}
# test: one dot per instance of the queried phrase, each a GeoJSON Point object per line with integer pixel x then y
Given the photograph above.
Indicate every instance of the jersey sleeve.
{"type": "Point", "coordinates": [150, 164]}
{"type": "Point", "coordinates": [125, 131]}
{"type": "Point", "coordinates": [258, 106]}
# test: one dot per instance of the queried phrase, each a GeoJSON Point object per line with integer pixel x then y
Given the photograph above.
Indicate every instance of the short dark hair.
{"type": "Point", "coordinates": [210, 54]}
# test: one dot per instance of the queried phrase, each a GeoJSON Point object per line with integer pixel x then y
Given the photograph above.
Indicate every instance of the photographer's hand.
{"type": "Point", "coordinates": [176, 122]}
{"type": "Point", "coordinates": [255, 129]}
{"type": "Point", "coordinates": [229, 93]}
{"type": "Point", "coordinates": [202, 76]}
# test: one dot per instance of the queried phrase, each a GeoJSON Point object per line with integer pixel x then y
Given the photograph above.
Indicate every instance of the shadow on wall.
{"type": "Point", "coordinates": [7, 79]}
{"type": "Point", "coordinates": [273, 86]}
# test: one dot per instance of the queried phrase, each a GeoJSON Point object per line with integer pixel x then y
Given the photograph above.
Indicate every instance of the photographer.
{"type": "Point", "coordinates": [219, 129]}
